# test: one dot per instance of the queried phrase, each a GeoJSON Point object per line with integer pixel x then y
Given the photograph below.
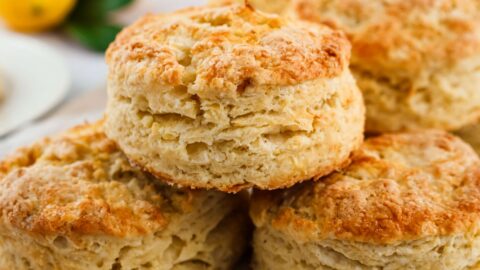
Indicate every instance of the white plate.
{"type": "Point", "coordinates": [36, 78]}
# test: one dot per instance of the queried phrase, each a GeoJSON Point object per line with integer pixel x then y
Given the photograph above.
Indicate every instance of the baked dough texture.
{"type": "Point", "coordinates": [471, 134]}
{"type": "Point", "coordinates": [231, 98]}
{"type": "Point", "coordinates": [416, 62]}
{"type": "Point", "coordinates": [407, 201]}
{"type": "Point", "coordinates": [74, 202]}
{"type": "Point", "coordinates": [278, 6]}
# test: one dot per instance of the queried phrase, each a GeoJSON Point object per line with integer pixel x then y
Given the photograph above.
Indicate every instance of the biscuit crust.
{"type": "Point", "coordinates": [407, 200]}
{"type": "Point", "coordinates": [74, 202]}
{"type": "Point", "coordinates": [398, 187]}
{"type": "Point", "coordinates": [224, 47]}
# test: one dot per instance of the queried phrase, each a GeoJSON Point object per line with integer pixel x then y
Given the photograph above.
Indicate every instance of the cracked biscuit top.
{"type": "Point", "coordinates": [225, 48]}
{"type": "Point", "coordinates": [398, 187]}
{"type": "Point", "coordinates": [80, 183]}
{"type": "Point", "coordinates": [401, 38]}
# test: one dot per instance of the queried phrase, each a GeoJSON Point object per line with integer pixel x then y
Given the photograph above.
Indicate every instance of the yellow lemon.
{"type": "Point", "coordinates": [34, 15]}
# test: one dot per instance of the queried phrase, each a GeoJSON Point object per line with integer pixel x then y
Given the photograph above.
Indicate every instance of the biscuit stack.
{"type": "Point", "coordinates": [207, 103]}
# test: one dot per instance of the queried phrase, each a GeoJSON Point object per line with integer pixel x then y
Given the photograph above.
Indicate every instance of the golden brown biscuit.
{"type": "Point", "coordinates": [407, 201]}
{"type": "Point", "coordinates": [230, 98]}
{"type": "Point", "coordinates": [416, 61]}
{"type": "Point", "coordinates": [276, 6]}
{"type": "Point", "coordinates": [74, 202]}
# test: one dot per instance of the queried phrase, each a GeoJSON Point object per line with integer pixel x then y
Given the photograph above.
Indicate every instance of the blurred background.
{"type": "Point", "coordinates": [52, 68]}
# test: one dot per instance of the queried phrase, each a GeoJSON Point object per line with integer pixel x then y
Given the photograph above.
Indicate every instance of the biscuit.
{"type": "Point", "coordinates": [407, 201]}
{"type": "Point", "coordinates": [231, 98]}
{"type": "Point", "coordinates": [74, 202]}
{"type": "Point", "coordinates": [471, 134]}
{"type": "Point", "coordinates": [416, 62]}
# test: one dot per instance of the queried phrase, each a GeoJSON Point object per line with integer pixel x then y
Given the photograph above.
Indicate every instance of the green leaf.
{"type": "Point", "coordinates": [88, 11]}
{"type": "Point", "coordinates": [111, 5]}
{"type": "Point", "coordinates": [96, 10]}
{"type": "Point", "coordinates": [96, 37]}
